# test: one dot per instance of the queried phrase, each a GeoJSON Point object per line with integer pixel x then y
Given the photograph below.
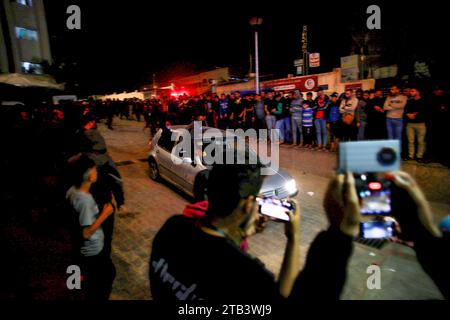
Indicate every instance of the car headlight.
{"type": "Point", "coordinates": [291, 186]}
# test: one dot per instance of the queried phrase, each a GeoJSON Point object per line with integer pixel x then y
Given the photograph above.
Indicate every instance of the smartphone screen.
{"type": "Point", "coordinates": [377, 229]}
{"type": "Point", "coordinates": [275, 208]}
{"type": "Point", "coordinates": [374, 195]}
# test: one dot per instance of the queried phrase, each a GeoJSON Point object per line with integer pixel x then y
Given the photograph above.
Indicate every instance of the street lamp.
{"type": "Point", "coordinates": [255, 22]}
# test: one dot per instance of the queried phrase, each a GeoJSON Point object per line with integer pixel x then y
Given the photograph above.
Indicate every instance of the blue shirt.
{"type": "Point", "coordinates": [334, 114]}
{"type": "Point", "coordinates": [307, 117]}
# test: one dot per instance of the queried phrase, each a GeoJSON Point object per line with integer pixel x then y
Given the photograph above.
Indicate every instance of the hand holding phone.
{"type": "Point", "coordinates": [287, 211]}
{"type": "Point", "coordinates": [367, 160]}
{"type": "Point", "coordinates": [275, 209]}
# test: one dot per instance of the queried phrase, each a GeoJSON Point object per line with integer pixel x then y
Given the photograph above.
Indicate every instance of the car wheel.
{"type": "Point", "coordinates": [200, 188]}
{"type": "Point", "coordinates": [153, 169]}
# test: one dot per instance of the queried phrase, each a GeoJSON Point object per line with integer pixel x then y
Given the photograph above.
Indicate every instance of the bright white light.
{"type": "Point", "coordinates": [363, 177]}
{"type": "Point", "coordinates": [291, 186]}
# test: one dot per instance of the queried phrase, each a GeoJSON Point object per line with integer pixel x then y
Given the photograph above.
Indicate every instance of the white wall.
{"type": "Point", "coordinates": [124, 95]}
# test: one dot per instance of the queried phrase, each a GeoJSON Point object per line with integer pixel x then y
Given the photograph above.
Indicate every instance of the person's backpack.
{"type": "Point", "coordinates": [348, 118]}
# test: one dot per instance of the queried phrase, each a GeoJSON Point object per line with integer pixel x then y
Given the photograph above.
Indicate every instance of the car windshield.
{"type": "Point", "coordinates": [210, 147]}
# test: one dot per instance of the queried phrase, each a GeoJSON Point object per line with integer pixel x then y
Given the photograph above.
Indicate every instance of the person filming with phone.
{"type": "Point", "coordinates": [195, 259]}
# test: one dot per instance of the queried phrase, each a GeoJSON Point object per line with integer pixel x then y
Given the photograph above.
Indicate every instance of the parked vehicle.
{"type": "Point", "coordinates": [190, 174]}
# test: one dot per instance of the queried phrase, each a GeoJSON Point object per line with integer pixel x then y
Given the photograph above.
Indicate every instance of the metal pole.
{"type": "Point", "coordinates": [256, 63]}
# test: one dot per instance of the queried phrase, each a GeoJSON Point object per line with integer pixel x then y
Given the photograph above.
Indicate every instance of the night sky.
{"type": "Point", "coordinates": [123, 43]}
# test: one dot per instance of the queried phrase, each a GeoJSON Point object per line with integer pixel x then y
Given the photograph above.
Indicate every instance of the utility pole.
{"type": "Point", "coordinates": [255, 22]}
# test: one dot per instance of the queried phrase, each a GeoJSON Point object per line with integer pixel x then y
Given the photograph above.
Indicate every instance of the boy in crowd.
{"type": "Point", "coordinates": [307, 120]}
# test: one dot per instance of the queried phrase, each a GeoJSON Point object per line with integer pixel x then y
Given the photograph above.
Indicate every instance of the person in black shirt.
{"type": "Point", "coordinates": [248, 106]}
{"type": "Point", "coordinates": [238, 111]}
{"type": "Point", "coordinates": [199, 109]}
{"type": "Point", "coordinates": [376, 117]}
{"type": "Point", "coordinates": [415, 112]}
{"type": "Point", "coordinates": [438, 133]}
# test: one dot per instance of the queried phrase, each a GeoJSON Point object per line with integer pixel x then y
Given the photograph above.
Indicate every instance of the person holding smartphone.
{"type": "Point", "coordinates": [201, 258]}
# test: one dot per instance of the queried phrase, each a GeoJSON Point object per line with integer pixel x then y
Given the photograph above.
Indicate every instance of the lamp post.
{"type": "Point", "coordinates": [255, 22]}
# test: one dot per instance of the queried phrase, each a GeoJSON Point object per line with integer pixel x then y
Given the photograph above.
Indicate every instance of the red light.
{"type": "Point", "coordinates": [375, 186]}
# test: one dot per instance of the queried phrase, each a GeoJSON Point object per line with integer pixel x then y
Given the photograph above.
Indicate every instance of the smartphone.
{"type": "Point", "coordinates": [275, 208]}
{"type": "Point", "coordinates": [369, 156]}
{"type": "Point", "coordinates": [377, 229]}
{"type": "Point", "coordinates": [368, 160]}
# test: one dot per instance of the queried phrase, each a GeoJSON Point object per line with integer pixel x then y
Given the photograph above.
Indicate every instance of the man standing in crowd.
{"type": "Point", "coordinates": [333, 116]}
{"type": "Point", "coordinates": [361, 116]}
{"type": "Point", "coordinates": [320, 107]}
{"type": "Point", "coordinates": [259, 113]}
{"type": "Point", "coordinates": [439, 133]}
{"type": "Point", "coordinates": [269, 106]}
{"type": "Point", "coordinates": [416, 130]}
{"type": "Point", "coordinates": [248, 108]}
{"type": "Point", "coordinates": [223, 112]}
{"type": "Point", "coordinates": [237, 111]}
{"type": "Point", "coordinates": [395, 106]}
{"type": "Point", "coordinates": [348, 108]}
{"type": "Point", "coordinates": [376, 117]}
{"type": "Point", "coordinates": [199, 109]}
{"type": "Point", "coordinates": [296, 118]}
{"type": "Point", "coordinates": [278, 113]}
{"type": "Point", "coordinates": [286, 118]}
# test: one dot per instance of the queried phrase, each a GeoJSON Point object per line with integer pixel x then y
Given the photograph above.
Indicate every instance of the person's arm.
{"type": "Point", "coordinates": [279, 108]}
{"type": "Point", "coordinates": [116, 183]}
{"type": "Point", "coordinates": [415, 217]}
{"type": "Point", "coordinates": [90, 230]}
{"type": "Point", "coordinates": [266, 110]}
{"type": "Point", "coordinates": [387, 104]}
{"type": "Point", "coordinates": [352, 105]}
{"type": "Point", "coordinates": [404, 101]}
{"type": "Point", "coordinates": [324, 274]}
{"type": "Point", "coordinates": [291, 262]}
{"type": "Point", "coordinates": [342, 106]}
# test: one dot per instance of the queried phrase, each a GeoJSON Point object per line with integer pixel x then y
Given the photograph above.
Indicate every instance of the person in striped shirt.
{"type": "Point", "coordinates": [307, 120]}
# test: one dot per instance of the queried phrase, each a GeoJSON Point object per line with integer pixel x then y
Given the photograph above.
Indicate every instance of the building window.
{"type": "Point", "coordinates": [27, 34]}
{"type": "Point", "coordinates": [28, 3]}
{"type": "Point", "coordinates": [31, 68]}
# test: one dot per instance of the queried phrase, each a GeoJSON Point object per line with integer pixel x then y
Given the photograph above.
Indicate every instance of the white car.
{"type": "Point", "coordinates": [191, 176]}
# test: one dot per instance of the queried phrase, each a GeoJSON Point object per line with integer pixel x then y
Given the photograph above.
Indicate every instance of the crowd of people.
{"type": "Point", "coordinates": [312, 120]}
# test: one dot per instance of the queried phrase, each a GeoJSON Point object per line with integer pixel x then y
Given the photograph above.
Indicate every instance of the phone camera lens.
{"type": "Point", "coordinates": [387, 156]}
